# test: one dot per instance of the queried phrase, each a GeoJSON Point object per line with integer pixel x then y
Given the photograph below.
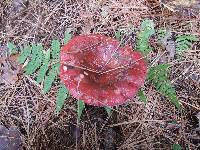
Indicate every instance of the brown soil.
{"type": "Point", "coordinates": [156, 125]}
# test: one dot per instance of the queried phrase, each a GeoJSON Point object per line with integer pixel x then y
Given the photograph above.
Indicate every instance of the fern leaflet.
{"type": "Point", "coordinates": [67, 37]}
{"type": "Point", "coordinates": [142, 96]}
{"type": "Point", "coordinates": [118, 35]}
{"type": "Point", "coordinates": [49, 79]}
{"type": "Point", "coordinates": [61, 96]}
{"type": "Point", "coordinates": [36, 59]}
{"type": "Point", "coordinates": [146, 31]}
{"type": "Point", "coordinates": [158, 75]}
{"type": "Point", "coordinates": [184, 42]}
{"type": "Point", "coordinates": [55, 49]}
{"type": "Point", "coordinates": [176, 147]}
{"type": "Point", "coordinates": [148, 26]}
{"type": "Point", "coordinates": [24, 54]}
{"type": "Point", "coordinates": [108, 110]}
{"type": "Point", "coordinates": [44, 68]}
{"type": "Point", "coordinates": [12, 49]}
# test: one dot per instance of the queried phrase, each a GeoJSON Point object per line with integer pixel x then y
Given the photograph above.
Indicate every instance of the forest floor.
{"type": "Point", "coordinates": [30, 116]}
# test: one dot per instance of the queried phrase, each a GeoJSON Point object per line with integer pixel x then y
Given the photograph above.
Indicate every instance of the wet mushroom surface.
{"type": "Point", "coordinates": [98, 71]}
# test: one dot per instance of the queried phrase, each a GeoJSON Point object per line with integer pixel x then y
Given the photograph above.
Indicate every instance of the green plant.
{"type": "Point", "coordinates": [143, 36]}
{"type": "Point", "coordinates": [35, 59]}
{"type": "Point", "coordinates": [118, 35]}
{"type": "Point", "coordinates": [44, 64]}
{"type": "Point", "coordinates": [184, 42]}
{"type": "Point", "coordinates": [62, 95]}
{"type": "Point", "coordinates": [176, 147]}
{"type": "Point", "coordinates": [142, 96]}
{"type": "Point", "coordinates": [25, 52]}
{"type": "Point", "coordinates": [158, 76]}
{"type": "Point", "coordinates": [12, 49]}
{"type": "Point", "coordinates": [108, 111]}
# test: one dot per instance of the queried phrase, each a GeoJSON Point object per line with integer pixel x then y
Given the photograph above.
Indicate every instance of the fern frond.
{"type": "Point", "coordinates": [148, 26]}
{"type": "Point", "coordinates": [36, 59]}
{"type": "Point", "coordinates": [176, 147]}
{"type": "Point", "coordinates": [146, 31]}
{"type": "Point", "coordinates": [67, 37]}
{"type": "Point", "coordinates": [12, 49]}
{"type": "Point", "coordinates": [62, 95]}
{"type": "Point", "coordinates": [108, 110]}
{"type": "Point", "coordinates": [44, 68]}
{"type": "Point", "coordinates": [55, 49]}
{"type": "Point", "coordinates": [25, 52]}
{"type": "Point", "coordinates": [118, 35]}
{"type": "Point", "coordinates": [49, 79]}
{"type": "Point", "coordinates": [142, 96]}
{"type": "Point", "coordinates": [161, 69]}
{"type": "Point", "coordinates": [158, 75]}
{"type": "Point", "coordinates": [184, 42]}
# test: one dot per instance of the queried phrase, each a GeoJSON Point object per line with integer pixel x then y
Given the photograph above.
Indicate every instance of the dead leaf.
{"type": "Point", "coordinates": [9, 68]}
{"type": "Point", "coordinates": [185, 7]}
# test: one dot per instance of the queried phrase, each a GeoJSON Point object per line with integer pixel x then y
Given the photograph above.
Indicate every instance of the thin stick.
{"type": "Point", "coordinates": [190, 105]}
{"type": "Point", "coordinates": [134, 121]}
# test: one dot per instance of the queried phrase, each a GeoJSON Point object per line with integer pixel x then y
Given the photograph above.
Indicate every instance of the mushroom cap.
{"type": "Point", "coordinates": [98, 71]}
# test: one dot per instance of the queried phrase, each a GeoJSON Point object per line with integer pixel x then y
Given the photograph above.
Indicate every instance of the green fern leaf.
{"type": "Point", "coordinates": [161, 69]}
{"type": "Point", "coordinates": [36, 59]}
{"type": "Point", "coordinates": [12, 49]}
{"type": "Point", "coordinates": [184, 42]}
{"type": "Point", "coordinates": [146, 31]}
{"type": "Point", "coordinates": [108, 110]}
{"type": "Point", "coordinates": [142, 43]}
{"type": "Point", "coordinates": [81, 107]}
{"type": "Point", "coordinates": [55, 49]}
{"type": "Point", "coordinates": [67, 37]}
{"type": "Point", "coordinates": [176, 147]}
{"type": "Point", "coordinates": [118, 35]}
{"type": "Point", "coordinates": [49, 79]}
{"type": "Point", "coordinates": [158, 75]}
{"type": "Point", "coordinates": [25, 53]}
{"type": "Point", "coordinates": [148, 26]}
{"type": "Point", "coordinates": [61, 96]}
{"type": "Point", "coordinates": [56, 67]}
{"type": "Point", "coordinates": [44, 68]}
{"type": "Point", "coordinates": [142, 96]}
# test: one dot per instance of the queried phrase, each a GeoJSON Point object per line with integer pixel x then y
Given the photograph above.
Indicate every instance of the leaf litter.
{"type": "Point", "coordinates": [9, 68]}
{"type": "Point", "coordinates": [54, 129]}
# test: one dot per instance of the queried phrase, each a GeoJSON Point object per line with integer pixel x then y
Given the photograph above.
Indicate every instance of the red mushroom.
{"type": "Point", "coordinates": [96, 70]}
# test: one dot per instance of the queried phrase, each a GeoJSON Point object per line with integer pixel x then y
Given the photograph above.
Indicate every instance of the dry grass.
{"type": "Point", "coordinates": [156, 125]}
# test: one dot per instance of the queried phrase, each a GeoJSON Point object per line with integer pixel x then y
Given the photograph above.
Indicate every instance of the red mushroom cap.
{"type": "Point", "coordinates": [96, 70]}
